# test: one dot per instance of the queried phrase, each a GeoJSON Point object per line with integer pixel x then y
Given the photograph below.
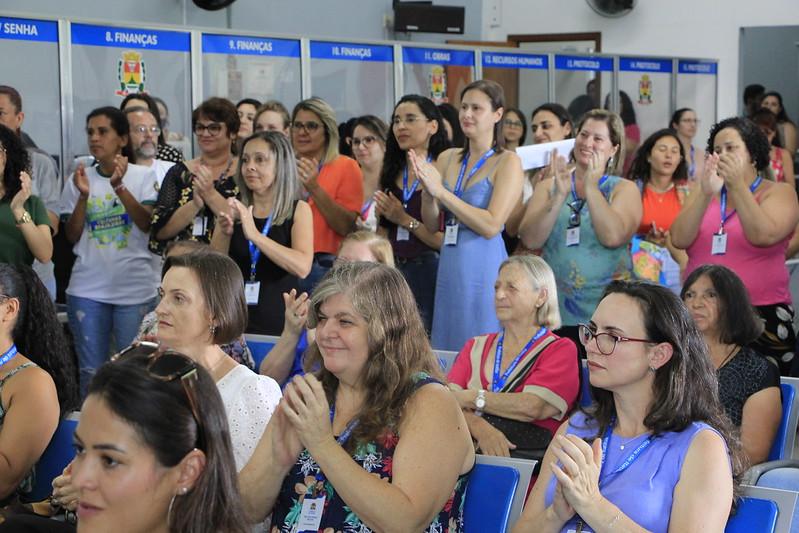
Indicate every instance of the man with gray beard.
{"type": "Point", "coordinates": [144, 131]}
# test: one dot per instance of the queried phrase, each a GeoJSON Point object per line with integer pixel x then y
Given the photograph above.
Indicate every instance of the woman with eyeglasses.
{"type": "Point", "coordinates": [655, 451]}
{"type": "Point", "coordinates": [583, 216]}
{"type": "Point", "coordinates": [153, 450]}
{"type": "Point", "coordinates": [514, 128]}
{"type": "Point", "coordinates": [416, 124]}
{"type": "Point", "coordinates": [749, 385]}
{"type": "Point", "coordinates": [195, 192]}
{"type": "Point", "coordinates": [471, 190]}
{"type": "Point", "coordinates": [737, 217]}
{"type": "Point", "coordinates": [372, 440]}
{"type": "Point", "coordinates": [271, 239]}
{"type": "Point", "coordinates": [114, 280]}
{"type": "Point", "coordinates": [368, 144]}
{"type": "Point", "coordinates": [523, 379]}
{"type": "Point", "coordinates": [333, 182]}
{"type": "Point", "coordinates": [25, 232]}
{"type": "Point", "coordinates": [685, 123]}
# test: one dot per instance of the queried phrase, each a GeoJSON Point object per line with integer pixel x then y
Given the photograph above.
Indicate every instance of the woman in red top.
{"type": "Point", "coordinates": [780, 159]}
{"type": "Point", "coordinates": [542, 393]}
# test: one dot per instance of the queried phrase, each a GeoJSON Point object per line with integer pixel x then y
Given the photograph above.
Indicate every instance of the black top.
{"type": "Point", "coordinates": [414, 246]}
{"type": "Point", "coordinates": [744, 375]}
{"type": "Point", "coordinates": [267, 317]}
{"type": "Point", "coordinates": [177, 190]}
{"type": "Point", "coordinates": [167, 152]}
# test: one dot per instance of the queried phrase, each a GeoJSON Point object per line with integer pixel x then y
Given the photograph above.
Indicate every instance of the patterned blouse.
{"type": "Point", "coordinates": [167, 152]}
{"type": "Point", "coordinates": [176, 191]}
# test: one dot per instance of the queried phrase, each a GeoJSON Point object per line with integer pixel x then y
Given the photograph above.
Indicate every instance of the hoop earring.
{"type": "Point", "coordinates": [169, 512]}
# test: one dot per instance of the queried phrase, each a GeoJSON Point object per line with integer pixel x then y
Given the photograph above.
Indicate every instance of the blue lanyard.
{"type": "Point", "coordinates": [341, 439]}
{"type": "Point", "coordinates": [576, 198]}
{"type": "Point", "coordinates": [723, 202]}
{"type": "Point", "coordinates": [406, 192]}
{"type": "Point", "coordinates": [459, 184]}
{"type": "Point", "coordinates": [255, 252]}
{"type": "Point", "coordinates": [498, 382]}
{"type": "Point", "coordinates": [692, 168]}
{"type": "Point", "coordinates": [627, 462]}
{"type": "Point", "coordinates": [8, 355]}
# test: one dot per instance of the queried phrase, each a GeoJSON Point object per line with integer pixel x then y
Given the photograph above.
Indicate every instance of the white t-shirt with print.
{"type": "Point", "coordinates": [113, 264]}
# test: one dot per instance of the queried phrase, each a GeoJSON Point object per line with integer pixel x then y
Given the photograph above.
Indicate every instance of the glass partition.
{"type": "Point", "coordinates": [438, 73]}
{"type": "Point", "coordinates": [238, 66]}
{"type": "Point", "coordinates": [647, 84]}
{"type": "Point", "coordinates": [109, 62]}
{"type": "Point", "coordinates": [29, 62]}
{"type": "Point", "coordinates": [696, 88]}
{"type": "Point", "coordinates": [582, 83]}
{"type": "Point", "coordinates": [525, 78]}
{"type": "Point", "coordinates": [356, 79]}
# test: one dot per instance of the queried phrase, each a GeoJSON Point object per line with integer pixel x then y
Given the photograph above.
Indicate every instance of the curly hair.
{"type": "Point", "coordinates": [753, 137]}
{"type": "Point", "coordinates": [217, 110]}
{"type": "Point", "coordinates": [685, 389]}
{"type": "Point", "coordinates": [640, 169]}
{"type": "Point", "coordinates": [37, 332]}
{"type": "Point", "coordinates": [395, 158]}
{"type": "Point", "coordinates": [17, 160]}
{"type": "Point", "coordinates": [398, 346]}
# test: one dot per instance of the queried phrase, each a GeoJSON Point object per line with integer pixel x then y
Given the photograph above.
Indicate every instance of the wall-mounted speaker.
{"type": "Point", "coordinates": [425, 17]}
{"type": "Point", "coordinates": [213, 5]}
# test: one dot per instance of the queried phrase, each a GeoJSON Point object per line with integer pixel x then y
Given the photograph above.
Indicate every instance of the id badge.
{"type": "Point", "coordinates": [573, 236]}
{"type": "Point", "coordinates": [198, 230]}
{"type": "Point", "coordinates": [251, 291]}
{"type": "Point", "coordinates": [403, 234]}
{"type": "Point", "coordinates": [311, 514]}
{"type": "Point", "coordinates": [451, 235]}
{"type": "Point", "coordinates": [719, 244]}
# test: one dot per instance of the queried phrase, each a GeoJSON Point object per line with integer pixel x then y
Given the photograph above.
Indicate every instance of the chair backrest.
{"type": "Point", "coordinates": [489, 496]}
{"type": "Point", "coordinates": [782, 447]}
{"type": "Point", "coordinates": [585, 386]}
{"type": "Point", "coordinates": [525, 467]}
{"type": "Point", "coordinates": [753, 514]}
{"type": "Point", "coordinates": [55, 458]}
{"type": "Point", "coordinates": [786, 501]}
{"type": "Point", "coordinates": [260, 345]}
{"type": "Point", "coordinates": [446, 358]}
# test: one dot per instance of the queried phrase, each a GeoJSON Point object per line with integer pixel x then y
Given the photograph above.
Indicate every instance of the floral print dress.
{"type": "Point", "coordinates": [374, 457]}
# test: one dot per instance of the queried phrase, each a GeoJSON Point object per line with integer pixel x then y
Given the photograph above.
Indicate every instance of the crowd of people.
{"type": "Point", "coordinates": [363, 247]}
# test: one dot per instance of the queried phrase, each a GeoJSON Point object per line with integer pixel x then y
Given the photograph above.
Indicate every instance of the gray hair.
{"type": "Point", "coordinates": [541, 277]}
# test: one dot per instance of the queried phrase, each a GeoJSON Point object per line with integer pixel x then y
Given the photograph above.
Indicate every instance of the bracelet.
{"type": "Point", "coordinates": [119, 187]}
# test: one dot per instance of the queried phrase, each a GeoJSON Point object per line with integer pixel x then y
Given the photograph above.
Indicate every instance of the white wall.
{"type": "Point", "coordinates": [693, 28]}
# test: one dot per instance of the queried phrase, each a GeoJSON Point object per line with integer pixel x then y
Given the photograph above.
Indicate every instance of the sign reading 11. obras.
{"type": "Point", "coordinates": [28, 30]}
{"type": "Point", "coordinates": [145, 39]}
{"type": "Point", "coordinates": [438, 56]}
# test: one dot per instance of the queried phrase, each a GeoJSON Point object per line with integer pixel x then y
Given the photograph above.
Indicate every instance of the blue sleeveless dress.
{"type": "Point", "coordinates": [645, 491]}
{"type": "Point", "coordinates": [467, 271]}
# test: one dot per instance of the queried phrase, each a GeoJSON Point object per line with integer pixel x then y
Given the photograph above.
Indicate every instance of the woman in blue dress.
{"type": "Point", "coordinates": [470, 191]}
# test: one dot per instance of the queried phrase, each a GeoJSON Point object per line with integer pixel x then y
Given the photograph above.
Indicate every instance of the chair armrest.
{"type": "Point", "coordinates": [751, 476]}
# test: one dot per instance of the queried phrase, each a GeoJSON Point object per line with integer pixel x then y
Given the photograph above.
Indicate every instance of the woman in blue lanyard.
{"type": "Point", "coordinates": [416, 124]}
{"type": "Point", "coordinates": [583, 216]}
{"type": "Point", "coordinates": [272, 244]}
{"type": "Point", "coordinates": [655, 451]}
{"type": "Point", "coordinates": [372, 439]}
{"type": "Point", "coordinates": [685, 123]}
{"type": "Point", "coordinates": [524, 372]}
{"type": "Point", "coordinates": [738, 217]}
{"type": "Point", "coordinates": [469, 193]}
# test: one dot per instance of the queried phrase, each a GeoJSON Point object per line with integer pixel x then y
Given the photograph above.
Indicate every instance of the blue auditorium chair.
{"type": "Point", "coordinates": [55, 458]}
{"type": "Point", "coordinates": [489, 498]}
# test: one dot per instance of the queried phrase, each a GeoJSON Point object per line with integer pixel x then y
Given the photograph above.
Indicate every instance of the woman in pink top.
{"type": "Point", "coordinates": [734, 217]}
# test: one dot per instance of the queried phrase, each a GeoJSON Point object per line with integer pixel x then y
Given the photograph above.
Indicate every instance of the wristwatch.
{"type": "Point", "coordinates": [24, 219]}
{"type": "Point", "coordinates": [480, 402]}
{"type": "Point", "coordinates": [413, 224]}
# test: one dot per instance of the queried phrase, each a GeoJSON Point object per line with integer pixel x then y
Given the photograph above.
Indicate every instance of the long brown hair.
{"type": "Point", "coordinates": [398, 347]}
{"type": "Point", "coordinates": [496, 95]}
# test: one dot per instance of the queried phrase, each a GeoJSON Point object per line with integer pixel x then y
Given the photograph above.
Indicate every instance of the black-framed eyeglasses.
{"type": "Point", "coordinates": [213, 129]}
{"type": "Point", "coordinates": [513, 123]}
{"type": "Point", "coordinates": [309, 126]}
{"type": "Point", "coordinates": [605, 342]}
{"type": "Point", "coordinates": [576, 207]}
{"type": "Point", "coordinates": [167, 365]}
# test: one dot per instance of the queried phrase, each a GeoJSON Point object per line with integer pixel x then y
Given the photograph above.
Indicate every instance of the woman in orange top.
{"type": "Point", "coordinates": [661, 172]}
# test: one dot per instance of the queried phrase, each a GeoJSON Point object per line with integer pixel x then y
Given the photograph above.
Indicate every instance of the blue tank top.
{"type": "Point", "coordinates": [644, 491]}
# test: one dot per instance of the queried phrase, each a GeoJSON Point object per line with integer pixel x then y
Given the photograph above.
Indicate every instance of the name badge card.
{"type": "Point", "coordinates": [451, 235]}
{"type": "Point", "coordinates": [573, 236]}
{"type": "Point", "coordinates": [251, 291]}
{"type": "Point", "coordinates": [403, 234]}
{"type": "Point", "coordinates": [719, 246]}
{"type": "Point", "coordinates": [311, 514]}
{"type": "Point", "coordinates": [198, 230]}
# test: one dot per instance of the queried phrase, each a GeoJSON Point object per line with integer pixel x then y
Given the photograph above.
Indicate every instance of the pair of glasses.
{"type": "Point", "coordinates": [409, 120]}
{"type": "Point", "coordinates": [513, 123]}
{"type": "Point", "coordinates": [213, 129]}
{"type": "Point", "coordinates": [576, 207]}
{"type": "Point", "coordinates": [367, 141]}
{"type": "Point", "coordinates": [690, 120]}
{"type": "Point", "coordinates": [308, 127]}
{"type": "Point", "coordinates": [167, 366]}
{"type": "Point", "coordinates": [605, 342]}
{"type": "Point", "coordinates": [155, 130]}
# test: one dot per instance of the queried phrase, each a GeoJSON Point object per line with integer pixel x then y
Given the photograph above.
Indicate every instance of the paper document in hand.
{"type": "Point", "coordinates": [537, 155]}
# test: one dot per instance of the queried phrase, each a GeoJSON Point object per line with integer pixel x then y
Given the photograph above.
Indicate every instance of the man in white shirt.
{"type": "Point", "coordinates": [144, 131]}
